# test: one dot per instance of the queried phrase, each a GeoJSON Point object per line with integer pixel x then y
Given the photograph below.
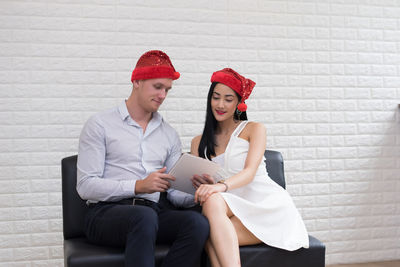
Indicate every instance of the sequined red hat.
{"type": "Point", "coordinates": [154, 64]}
{"type": "Point", "coordinates": [237, 82]}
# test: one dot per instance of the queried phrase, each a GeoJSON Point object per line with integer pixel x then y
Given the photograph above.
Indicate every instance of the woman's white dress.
{"type": "Point", "coordinates": [263, 206]}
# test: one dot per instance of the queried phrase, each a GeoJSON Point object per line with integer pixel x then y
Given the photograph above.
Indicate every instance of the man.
{"type": "Point", "coordinates": [124, 155]}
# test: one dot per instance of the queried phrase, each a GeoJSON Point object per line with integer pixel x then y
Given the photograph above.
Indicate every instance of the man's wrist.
{"type": "Point", "coordinates": [138, 187]}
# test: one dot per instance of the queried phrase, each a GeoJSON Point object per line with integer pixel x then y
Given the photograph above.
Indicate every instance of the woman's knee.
{"type": "Point", "coordinates": [215, 204]}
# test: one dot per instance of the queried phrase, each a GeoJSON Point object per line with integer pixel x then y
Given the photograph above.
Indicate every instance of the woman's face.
{"type": "Point", "coordinates": [223, 102]}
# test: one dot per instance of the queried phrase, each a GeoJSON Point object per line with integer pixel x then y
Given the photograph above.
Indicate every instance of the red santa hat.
{"type": "Point", "coordinates": [154, 64]}
{"type": "Point", "coordinates": [237, 82]}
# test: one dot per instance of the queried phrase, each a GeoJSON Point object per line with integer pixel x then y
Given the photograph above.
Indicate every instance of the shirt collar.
{"type": "Point", "coordinates": [156, 120]}
{"type": "Point", "coordinates": [123, 111]}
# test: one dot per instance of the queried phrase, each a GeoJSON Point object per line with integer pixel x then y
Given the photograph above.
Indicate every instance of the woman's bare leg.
{"type": "Point", "coordinates": [212, 255]}
{"type": "Point", "coordinates": [223, 235]}
{"type": "Point", "coordinates": [245, 237]}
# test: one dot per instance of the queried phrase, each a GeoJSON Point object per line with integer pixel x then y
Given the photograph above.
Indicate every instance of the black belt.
{"type": "Point", "coordinates": [137, 201]}
{"type": "Point", "coordinates": [129, 201]}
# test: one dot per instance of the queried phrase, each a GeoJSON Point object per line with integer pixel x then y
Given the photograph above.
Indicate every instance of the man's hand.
{"type": "Point", "coordinates": [157, 181]}
{"type": "Point", "coordinates": [198, 180]}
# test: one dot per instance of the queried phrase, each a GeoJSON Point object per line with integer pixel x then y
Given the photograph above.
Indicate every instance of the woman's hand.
{"type": "Point", "coordinates": [198, 180]}
{"type": "Point", "coordinates": [206, 190]}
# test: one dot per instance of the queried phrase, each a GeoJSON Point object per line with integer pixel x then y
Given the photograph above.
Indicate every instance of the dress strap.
{"type": "Point", "coordinates": [205, 152]}
{"type": "Point", "coordinates": [239, 129]}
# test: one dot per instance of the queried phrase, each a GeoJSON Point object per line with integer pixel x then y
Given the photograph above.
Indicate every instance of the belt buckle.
{"type": "Point", "coordinates": [138, 201]}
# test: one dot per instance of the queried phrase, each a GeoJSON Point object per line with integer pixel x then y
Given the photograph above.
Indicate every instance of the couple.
{"type": "Point", "coordinates": [124, 157]}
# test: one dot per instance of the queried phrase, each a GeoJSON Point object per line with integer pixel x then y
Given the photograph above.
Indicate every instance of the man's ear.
{"type": "Point", "coordinates": [136, 84]}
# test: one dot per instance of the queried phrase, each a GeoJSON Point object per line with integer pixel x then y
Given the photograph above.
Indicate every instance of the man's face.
{"type": "Point", "coordinates": [151, 93]}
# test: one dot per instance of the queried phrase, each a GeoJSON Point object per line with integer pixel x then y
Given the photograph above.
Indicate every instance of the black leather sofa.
{"type": "Point", "coordinates": [78, 252]}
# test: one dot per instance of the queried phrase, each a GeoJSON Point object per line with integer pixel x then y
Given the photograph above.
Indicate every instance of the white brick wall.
{"type": "Point", "coordinates": [328, 90]}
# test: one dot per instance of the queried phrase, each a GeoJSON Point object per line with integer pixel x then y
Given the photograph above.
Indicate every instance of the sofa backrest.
{"type": "Point", "coordinates": [74, 208]}
{"type": "Point", "coordinates": [275, 168]}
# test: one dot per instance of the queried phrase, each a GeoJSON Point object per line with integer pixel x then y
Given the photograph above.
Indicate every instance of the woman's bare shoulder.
{"type": "Point", "coordinates": [195, 144]}
{"type": "Point", "coordinates": [253, 126]}
{"type": "Point", "coordinates": [196, 139]}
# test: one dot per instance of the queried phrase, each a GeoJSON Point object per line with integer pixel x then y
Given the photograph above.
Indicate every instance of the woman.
{"type": "Point", "coordinates": [247, 207]}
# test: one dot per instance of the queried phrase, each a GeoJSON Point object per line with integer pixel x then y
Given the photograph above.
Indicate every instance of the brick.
{"type": "Point", "coordinates": [344, 81]}
{"type": "Point", "coordinates": [6, 172]}
{"type": "Point", "coordinates": [57, 252]}
{"type": "Point", "coordinates": [376, 140]}
{"type": "Point", "coordinates": [302, 153]}
{"type": "Point", "coordinates": [322, 33]}
{"type": "Point", "coordinates": [337, 117]}
{"type": "Point", "coordinates": [315, 93]}
{"type": "Point", "coordinates": [343, 105]}
{"type": "Point", "coordinates": [301, 129]}
{"type": "Point", "coordinates": [384, 70]}
{"type": "Point", "coordinates": [370, 34]}
{"type": "Point", "coordinates": [349, 211]}
{"type": "Point", "coordinates": [31, 172]}
{"type": "Point", "coordinates": [300, 178]}
{"type": "Point", "coordinates": [317, 69]}
{"type": "Point", "coordinates": [6, 228]}
{"type": "Point", "coordinates": [55, 225]}
{"type": "Point", "coordinates": [276, 129]}
{"type": "Point", "coordinates": [272, 55]}
{"type": "Point", "coordinates": [343, 129]}
{"type": "Point", "coordinates": [378, 128]}
{"type": "Point", "coordinates": [318, 117]}
{"type": "Point", "coordinates": [45, 212]}
{"type": "Point", "coordinates": [364, 81]}
{"type": "Point", "coordinates": [314, 213]}
{"type": "Point", "coordinates": [33, 226]}
{"type": "Point", "coordinates": [301, 32]}
{"type": "Point", "coordinates": [284, 141]}
{"type": "Point", "coordinates": [323, 152]}
{"type": "Point", "coordinates": [48, 263]}
{"type": "Point", "coordinates": [368, 152]}
{"type": "Point", "coordinates": [345, 152]}
{"type": "Point", "coordinates": [316, 165]}
{"type": "Point", "coordinates": [31, 199]}
{"type": "Point", "coordinates": [316, 189]}
{"type": "Point", "coordinates": [39, 253]}
{"type": "Point", "coordinates": [370, 58]}
{"type": "Point", "coordinates": [6, 255]}
{"type": "Point", "coordinates": [46, 239]}
{"type": "Point", "coordinates": [273, 7]}
{"type": "Point", "coordinates": [284, 43]}
{"type": "Point", "coordinates": [390, 11]}
{"type": "Point", "coordinates": [337, 164]}
{"type": "Point", "coordinates": [315, 141]}
{"type": "Point", "coordinates": [302, 57]}
{"type": "Point", "coordinates": [389, 47]}
{"type": "Point", "coordinates": [315, 20]}
{"type": "Point", "coordinates": [294, 166]}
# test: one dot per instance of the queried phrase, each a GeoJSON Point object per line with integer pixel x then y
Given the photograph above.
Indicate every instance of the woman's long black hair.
{"type": "Point", "coordinates": [207, 141]}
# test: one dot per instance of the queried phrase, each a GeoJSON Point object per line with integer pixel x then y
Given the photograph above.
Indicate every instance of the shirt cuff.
{"type": "Point", "coordinates": [180, 199]}
{"type": "Point", "coordinates": [128, 188]}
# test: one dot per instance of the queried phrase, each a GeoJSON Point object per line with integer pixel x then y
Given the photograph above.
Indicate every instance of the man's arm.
{"type": "Point", "coordinates": [91, 184]}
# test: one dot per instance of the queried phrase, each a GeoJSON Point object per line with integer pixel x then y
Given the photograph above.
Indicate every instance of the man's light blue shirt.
{"type": "Point", "coordinates": [114, 153]}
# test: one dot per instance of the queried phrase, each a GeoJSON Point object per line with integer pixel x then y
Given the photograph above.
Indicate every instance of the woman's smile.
{"type": "Point", "coordinates": [220, 112]}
